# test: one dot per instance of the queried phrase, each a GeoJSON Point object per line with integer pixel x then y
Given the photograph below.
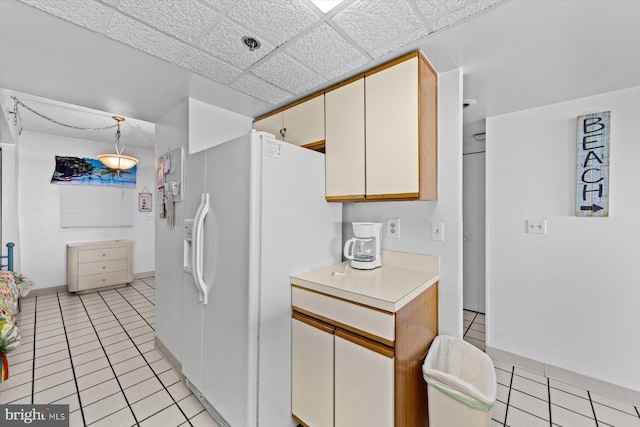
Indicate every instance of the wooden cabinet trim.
{"type": "Point", "coordinates": [344, 83]}
{"type": "Point", "coordinates": [286, 107]}
{"type": "Point", "coordinates": [323, 326]}
{"type": "Point", "coordinates": [392, 63]}
{"type": "Point", "coordinates": [366, 343]}
{"type": "Point", "coordinates": [342, 326]}
{"type": "Point", "coordinates": [350, 198]}
{"type": "Point", "coordinates": [315, 146]}
{"type": "Point", "coordinates": [388, 197]}
{"type": "Point", "coordinates": [299, 421]}
{"type": "Point", "coordinates": [427, 129]}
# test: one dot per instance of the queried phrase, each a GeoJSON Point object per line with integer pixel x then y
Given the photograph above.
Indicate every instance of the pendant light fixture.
{"type": "Point", "coordinates": [118, 162]}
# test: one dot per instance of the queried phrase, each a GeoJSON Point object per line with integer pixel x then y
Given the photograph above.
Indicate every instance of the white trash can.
{"type": "Point", "coordinates": [461, 384]}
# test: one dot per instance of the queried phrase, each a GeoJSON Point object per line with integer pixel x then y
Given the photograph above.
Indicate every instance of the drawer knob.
{"type": "Point", "coordinates": [104, 266]}
{"type": "Point", "coordinates": [104, 254]}
{"type": "Point", "coordinates": [104, 280]}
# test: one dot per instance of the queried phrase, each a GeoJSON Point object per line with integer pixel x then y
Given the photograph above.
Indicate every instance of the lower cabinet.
{"type": "Point", "coordinates": [347, 376]}
{"type": "Point", "coordinates": [312, 371]}
{"type": "Point", "coordinates": [364, 385]}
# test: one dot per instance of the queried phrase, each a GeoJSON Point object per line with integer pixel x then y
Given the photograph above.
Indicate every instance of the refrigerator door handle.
{"type": "Point", "coordinates": [194, 246]}
{"type": "Point", "coordinates": [198, 268]}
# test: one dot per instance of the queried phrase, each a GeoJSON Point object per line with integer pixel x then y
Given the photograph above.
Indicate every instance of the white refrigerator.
{"type": "Point", "coordinates": [259, 216]}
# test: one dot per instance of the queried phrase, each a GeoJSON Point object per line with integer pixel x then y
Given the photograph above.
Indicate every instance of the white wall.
{"type": "Point", "coordinates": [171, 133]}
{"type": "Point", "coordinates": [10, 229]}
{"type": "Point", "coordinates": [569, 299]}
{"type": "Point", "coordinates": [210, 125]}
{"type": "Point", "coordinates": [43, 242]}
{"type": "Point", "coordinates": [416, 217]}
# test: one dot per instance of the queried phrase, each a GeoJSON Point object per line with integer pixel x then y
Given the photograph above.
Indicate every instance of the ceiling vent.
{"type": "Point", "coordinates": [251, 43]}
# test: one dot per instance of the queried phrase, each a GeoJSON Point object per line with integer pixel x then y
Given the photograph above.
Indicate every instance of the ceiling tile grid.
{"type": "Point", "coordinates": [251, 85]}
{"type": "Point", "coordinates": [275, 20]}
{"type": "Point", "coordinates": [301, 47]}
{"type": "Point", "coordinates": [210, 67]}
{"type": "Point", "coordinates": [283, 71]}
{"type": "Point", "coordinates": [186, 21]}
{"type": "Point", "coordinates": [324, 50]}
{"type": "Point", "coordinates": [224, 42]}
{"type": "Point", "coordinates": [86, 13]}
{"type": "Point", "coordinates": [143, 37]}
{"type": "Point", "coordinates": [375, 23]}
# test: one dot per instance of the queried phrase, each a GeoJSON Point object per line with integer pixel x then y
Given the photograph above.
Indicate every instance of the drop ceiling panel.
{"type": "Point", "coordinates": [461, 14]}
{"type": "Point", "coordinates": [209, 66]}
{"type": "Point", "coordinates": [87, 14]}
{"type": "Point", "coordinates": [185, 22]}
{"type": "Point", "coordinates": [218, 4]}
{"type": "Point", "coordinates": [224, 42]}
{"type": "Point", "coordinates": [260, 89]}
{"type": "Point", "coordinates": [282, 71]}
{"type": "Point", "coordinates": [378, 23]}
{"type": "Point", "coordinates": [140, 36]}
{"type": "Point", "coordinates": [435, 9]}
{"type": "Point", "coordinates": [327, 52]}
{"type": "Point", "coordinates": [275, 20]}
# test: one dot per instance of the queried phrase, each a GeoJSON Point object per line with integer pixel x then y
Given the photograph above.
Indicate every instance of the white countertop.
{"type": "Point", "coordinates": [401, 278]}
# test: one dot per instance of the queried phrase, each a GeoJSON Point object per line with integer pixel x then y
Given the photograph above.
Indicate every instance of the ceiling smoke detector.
{"type": "Point", "coordinates": [251, 43]}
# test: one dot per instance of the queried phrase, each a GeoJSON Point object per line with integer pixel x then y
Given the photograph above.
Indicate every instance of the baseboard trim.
{"type": "Point", "coordinates": [564, 375]}
{"type": "Point", "coordinates": [144, 274]}
{"type": "Point", "coordinates": [38, 292]}
{"type": "Point", "coordinates": [173, 361]}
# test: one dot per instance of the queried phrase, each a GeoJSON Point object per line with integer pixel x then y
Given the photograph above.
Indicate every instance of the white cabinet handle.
{"type": "Point", "coordinates": [198, 247]}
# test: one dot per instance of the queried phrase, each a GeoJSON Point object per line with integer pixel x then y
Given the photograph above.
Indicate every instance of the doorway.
{"type": "Point", "coordinates": [473, 220]}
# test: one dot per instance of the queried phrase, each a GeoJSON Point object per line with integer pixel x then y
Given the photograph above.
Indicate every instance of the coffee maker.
{"type": "Point", "coordinates": [364, 248]}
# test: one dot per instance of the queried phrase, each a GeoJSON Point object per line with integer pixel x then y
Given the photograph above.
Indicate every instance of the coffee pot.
{"type": "Point", "coordinates": [364, 248]}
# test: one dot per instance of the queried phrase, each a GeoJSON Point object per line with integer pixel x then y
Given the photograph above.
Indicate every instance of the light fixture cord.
{"type": "Point", "coordinates": [119, 144]}
{"type": "Point", "coordinates": [17, 102]}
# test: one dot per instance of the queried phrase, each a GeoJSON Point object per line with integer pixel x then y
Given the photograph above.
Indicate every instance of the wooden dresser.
{"type": "Point", "coordinates": [92, 265]}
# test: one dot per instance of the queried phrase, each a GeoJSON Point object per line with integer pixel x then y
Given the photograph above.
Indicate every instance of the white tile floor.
{"type": "Point", "coordinates": [96, 353]}
{"type": "Point", "coordinates": [526, 399]}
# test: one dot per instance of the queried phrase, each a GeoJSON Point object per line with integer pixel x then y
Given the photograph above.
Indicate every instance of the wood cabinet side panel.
{"type": "Point", "coordinates": [416, 327]}
{"type": "Point", "coordinates": [428, 129]}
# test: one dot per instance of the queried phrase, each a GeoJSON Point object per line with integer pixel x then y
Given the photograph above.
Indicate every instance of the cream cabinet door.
{"type": "Point", "coordinates": [272, 124]}
{"type": "Point", "coordinates": [312, 374]}
{"type": "Point", "coordinates": [392, 155]}
{"type": "Point", "coordinates": [304, 123]}
{"type": "Point", "coordinates": [364, 386]}
{"type": "Point", "coordinates": [345, 142]}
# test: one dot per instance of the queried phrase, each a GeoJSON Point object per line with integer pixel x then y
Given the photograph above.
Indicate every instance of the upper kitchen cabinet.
{"type": "Point", "coordinates": [345, 141]}
{"type": "Point", "coordinates": [301, 123]}
{"type": "Point", "coordinates": [401, 130]}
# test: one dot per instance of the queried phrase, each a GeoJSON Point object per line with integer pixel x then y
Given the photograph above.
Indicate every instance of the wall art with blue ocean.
{"type": "Point", "coordinates": [87, 171]}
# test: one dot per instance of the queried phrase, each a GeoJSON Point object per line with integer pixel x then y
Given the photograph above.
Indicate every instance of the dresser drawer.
{"type": "Point", "coordinates": [93, 255]}
{"type": "Point", "coordinates": [100, 267]}
{"type": "Point", "coordinates": [105, 279]}
{"type": "Point", "coordinates": [366, 321]}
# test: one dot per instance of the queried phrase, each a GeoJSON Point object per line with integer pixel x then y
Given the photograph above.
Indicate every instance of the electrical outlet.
{"type": "Point", "coordinates": [537, 226]}
{"type": "Point", "coordinates": [437, 231]}
{"type": "Point", "coordinates": [393, 228]}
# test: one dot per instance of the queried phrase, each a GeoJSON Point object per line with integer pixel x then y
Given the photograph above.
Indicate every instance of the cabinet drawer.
{"type": "Point", "coordinates": [368, 322]}
{"type": "Point", "coordinates": [106, 279]}
{"type": "Point", "coordinates": [93, 255]}
{"type": "Point", "coordinates": [100, 267]}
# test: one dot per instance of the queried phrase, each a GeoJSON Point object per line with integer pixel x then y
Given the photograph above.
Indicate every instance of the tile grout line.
{"type": "Point", "coordinates": [506, 411]}
{"type": "Point", "coordinates": [136, 310]}
{"type": "Point", "coordinates": [549, 394]}
{"type": "Point", "coordinates": [111, 366]}
{"type": "Point", "coordinates": [593, 408]}
{"type": "Point", "coordinates": [148, 364]}
{"type": "Point", "coordinates": [33, 367]}
{"type": "Point", "coordinates": [73, 370]}
{"type": "Point", "coordinates": [469, 327]}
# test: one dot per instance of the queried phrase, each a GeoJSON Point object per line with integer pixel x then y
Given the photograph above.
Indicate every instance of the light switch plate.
{"type": "Point", "coordinates": [537, 226]}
